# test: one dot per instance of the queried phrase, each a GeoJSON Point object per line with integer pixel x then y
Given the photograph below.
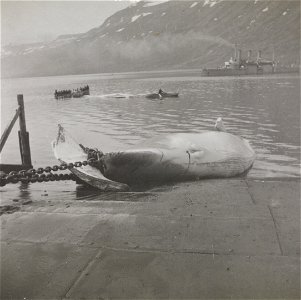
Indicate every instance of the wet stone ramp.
{"type": "Point", "coordinates": [207, 239]}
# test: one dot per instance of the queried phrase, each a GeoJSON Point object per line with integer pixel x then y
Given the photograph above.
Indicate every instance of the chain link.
{"type": "Point", "coordinates": [37, 175]}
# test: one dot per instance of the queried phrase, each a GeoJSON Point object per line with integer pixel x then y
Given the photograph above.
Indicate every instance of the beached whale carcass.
{"type": "Point", "coordinates": [173, 157]}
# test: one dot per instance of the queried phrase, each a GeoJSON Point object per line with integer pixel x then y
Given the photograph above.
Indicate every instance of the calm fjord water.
{"type": "Point", "coordinates": [263, 109]}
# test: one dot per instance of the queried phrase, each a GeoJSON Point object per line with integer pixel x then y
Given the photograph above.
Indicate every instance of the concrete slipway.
{"type": "Point", "coordinates": [207, 239]}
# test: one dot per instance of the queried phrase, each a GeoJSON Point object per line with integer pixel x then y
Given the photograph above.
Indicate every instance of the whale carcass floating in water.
{"type": "Point", "coordinates": [174, 157]}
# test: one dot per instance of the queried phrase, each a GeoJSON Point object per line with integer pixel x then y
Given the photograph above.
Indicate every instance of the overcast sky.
{"type": "Point", "coordinates": [35, 21]}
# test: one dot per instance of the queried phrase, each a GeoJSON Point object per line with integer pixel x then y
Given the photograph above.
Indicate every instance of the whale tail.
{"type": "Point", "coordinates": [219, 125]}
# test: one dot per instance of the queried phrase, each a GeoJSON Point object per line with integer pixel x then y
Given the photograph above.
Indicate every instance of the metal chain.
{"type": "Point", "coordinates": [36, 175]}
{"type": "Point", "coordinates": [36, 178]}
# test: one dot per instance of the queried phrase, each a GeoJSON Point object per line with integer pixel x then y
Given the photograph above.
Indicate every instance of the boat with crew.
{"type": "Point", "coordinates": [78, 93]}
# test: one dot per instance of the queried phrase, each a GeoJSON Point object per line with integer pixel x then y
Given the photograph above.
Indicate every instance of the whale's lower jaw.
{"type": "Point", "coordinates": [181, 156]}
{"type": "Point", "coordinates": [167, 171]}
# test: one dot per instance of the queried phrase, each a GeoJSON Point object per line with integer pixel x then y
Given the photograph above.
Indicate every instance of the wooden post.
{"type": "Point", "coordinates": [8, 129]}
{"type": "Point", "coordinates": [23, 134]}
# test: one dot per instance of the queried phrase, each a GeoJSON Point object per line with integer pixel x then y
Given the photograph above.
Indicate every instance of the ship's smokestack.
{"type": "Point", "coordinates": [259, 55]}
{"type": "Point", "coordinates": [238, 56]}
{"type": "Point", "coordinates": [235, 52]}
{"type": "Point", "coordinates": [249, 55]}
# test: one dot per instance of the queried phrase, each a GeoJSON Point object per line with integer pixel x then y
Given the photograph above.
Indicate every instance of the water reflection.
{"type": "Point", "coordinates": [24, 192]}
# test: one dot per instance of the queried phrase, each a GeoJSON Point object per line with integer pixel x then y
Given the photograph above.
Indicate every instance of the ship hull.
{"type": "Point", "coordinates": [230, 72]}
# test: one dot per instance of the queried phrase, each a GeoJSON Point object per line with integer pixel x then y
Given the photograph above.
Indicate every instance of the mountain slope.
{"type": "Point", "coordinates": [169, 35]}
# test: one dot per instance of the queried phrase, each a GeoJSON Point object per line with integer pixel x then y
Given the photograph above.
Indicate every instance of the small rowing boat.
{"type": "Point", "coordinates": [162, 95]}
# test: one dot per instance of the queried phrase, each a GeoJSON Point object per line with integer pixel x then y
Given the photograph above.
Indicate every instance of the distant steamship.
{"type": "Point", "coordinates": [238, 66]}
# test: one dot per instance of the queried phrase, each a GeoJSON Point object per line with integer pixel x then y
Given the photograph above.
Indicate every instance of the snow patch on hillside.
{"type": "Point", "coordinates": [265, 9]}
{"type": "Point", "coordinates": [133, 3]}
{"type": "Point", "coordinates": [284, 13]}
{"type": "Point", "coordinates": [211, 3]}
{"type": "Point", "coordinates": [28, 50]}
{"type": "Point", "coordinates": [193, 4]}
{"type": "Point", "coordinates": [138, 16]}
{"type": "Point", "coordinates": [135, 18]}
{"type": "Point", "coordinates": [119, 30]}
{"type": "Point", "coordinates": [68, 38]}
{"type": "Point", "coordinates": [5, 52]}
{"type": "Point", "coordinates": [153, 3]}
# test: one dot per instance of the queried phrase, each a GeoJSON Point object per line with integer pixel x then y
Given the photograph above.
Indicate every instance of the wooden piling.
{"type": "Point", "coordinates": [23, 134]}
{"type": "Point", "coordinates": [23, 140]}
{"type": "Point", "coordinates": [8, 129]}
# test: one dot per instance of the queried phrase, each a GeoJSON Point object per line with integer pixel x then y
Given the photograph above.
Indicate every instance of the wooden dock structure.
{"type": "Point", "coordinates": [24, 144]}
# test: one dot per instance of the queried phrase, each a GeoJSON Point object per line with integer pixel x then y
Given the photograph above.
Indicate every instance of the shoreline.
{"type": "Point", "coordinates": [188, 72]}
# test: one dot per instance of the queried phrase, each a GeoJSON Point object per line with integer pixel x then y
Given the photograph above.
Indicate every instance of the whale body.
{"type": "Point", "coordinates": [172, 157]}
{"type": "Point", "coordinates": [181, 156]}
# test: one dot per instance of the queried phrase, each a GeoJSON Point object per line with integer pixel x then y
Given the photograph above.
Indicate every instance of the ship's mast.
{"type": "Point", "coordinates": [273, 60]}
{"type": "Point", "coordinates": [235, 52]}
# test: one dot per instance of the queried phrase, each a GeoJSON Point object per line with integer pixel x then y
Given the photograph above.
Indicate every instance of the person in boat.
{"type": "Point", "coordinates": [160, 93]}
